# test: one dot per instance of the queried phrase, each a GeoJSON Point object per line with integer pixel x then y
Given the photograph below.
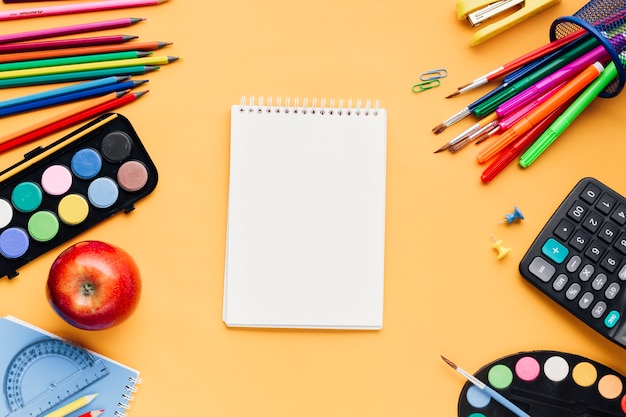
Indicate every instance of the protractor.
{"type": "Point", "coordinates": [47, 372]}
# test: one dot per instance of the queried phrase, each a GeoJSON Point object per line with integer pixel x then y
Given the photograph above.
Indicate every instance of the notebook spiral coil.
{"type": "Point", "coordinates": [333, 108]}
{"type": "Point", "coordinates": [127, 397]}
{"type": "Point", "coordinates": [604, 20]}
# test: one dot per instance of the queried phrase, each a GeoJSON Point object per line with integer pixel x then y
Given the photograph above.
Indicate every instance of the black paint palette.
{"type": "Point", "coordinates": [547, 384]}
{"type": "Point", "coordinates": [63, 189]}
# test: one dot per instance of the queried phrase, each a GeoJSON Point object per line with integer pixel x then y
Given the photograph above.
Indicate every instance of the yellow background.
{"type": "Point", "coordinates": [445, 291]}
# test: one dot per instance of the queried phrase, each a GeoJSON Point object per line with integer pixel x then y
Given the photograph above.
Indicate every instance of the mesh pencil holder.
{"type": "Point", "coordinates": [606, 21]}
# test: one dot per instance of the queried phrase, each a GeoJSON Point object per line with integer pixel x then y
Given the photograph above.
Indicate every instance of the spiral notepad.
{"type": "Point", "coordinates": [306, 215]}
{"type": "Point", "coordinates": [43, 372]}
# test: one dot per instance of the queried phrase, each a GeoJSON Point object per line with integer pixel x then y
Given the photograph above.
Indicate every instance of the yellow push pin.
{"type": "Point", "coordinates": [502, 251]}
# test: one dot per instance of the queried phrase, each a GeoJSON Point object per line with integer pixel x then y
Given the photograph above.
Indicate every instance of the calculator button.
{"type": "Point", "coordinates": [579, 241]}
{"type": "Point", "coordinates": [619, 215]}
{"type": "Point", "coordinates": [610, 262]}
{"type": "Point", "coordinates": [594, 251]}
{"type": "Point", "coordinates": [612, 290]}
{"type": "Point", "coordinates": [609, 232]}
{"type": "Point", "coordinates": [573, 291]}
{"type": "Point", "coordinates": [542, 269]}
{"type": "Point", "coordinates": [585, 301]}
{"type": "Point", "coordinates": [564, 230]}
{"type": "Point", "coordinates": [598, 310]}
{"type": "Point", "coordinates": [586, 273]}
{"type": "Point", "coordinates": [622, 273]}
{"type": "Point", "coordinates": [560, 282]}
{"type": "Point", "coordinates": [605, 204]}
{"type": "Point", "coordinates": [590, 193]}
{"type": "Point", "coordinates": [573, 263]}
{"type": "Point", "coordinates": [555, 250]}
{"type": "Point", "coordinates": [577, 211]}
{"type": "Point", "coordinates": [611, 319]}
{"type": "Point", "coordinates": [599, 281]}
{"type": "Point", "coordinates": [593, 222]}
{"type": "Point", "coordinates": [620, 244]}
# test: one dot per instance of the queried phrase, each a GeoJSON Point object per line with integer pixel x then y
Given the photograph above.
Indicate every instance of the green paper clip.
{"type": "Point", "coordinates": [434, 74]}
{"type": "Point", "coordinates": [426, 85]}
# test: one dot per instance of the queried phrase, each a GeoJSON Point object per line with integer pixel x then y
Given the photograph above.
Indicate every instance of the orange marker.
{"type": "Point", "coordinates": [566, 92]}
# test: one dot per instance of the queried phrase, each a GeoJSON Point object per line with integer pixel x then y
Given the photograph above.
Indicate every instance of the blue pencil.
{"type": "Point", "coordinates": [71, 97]}
{"type": "Point", "coordinates": [62, 91]}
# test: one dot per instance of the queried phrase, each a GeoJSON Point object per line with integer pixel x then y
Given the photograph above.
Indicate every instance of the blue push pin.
{"type": "Point", "coordinates": [517, 214]}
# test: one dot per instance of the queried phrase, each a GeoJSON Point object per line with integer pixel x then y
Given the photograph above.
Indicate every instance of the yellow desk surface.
{"type": "Point", "coordinates": [445, 291]}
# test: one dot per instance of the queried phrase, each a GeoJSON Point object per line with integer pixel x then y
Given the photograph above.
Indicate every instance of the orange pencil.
{"type": "Point", "coordinates": [88, 50]}
{"type": "Point", "coordinates": [566, 92]}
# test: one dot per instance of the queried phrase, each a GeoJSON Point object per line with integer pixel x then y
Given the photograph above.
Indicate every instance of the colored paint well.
{"type": "Point", "coordinates": [116, 146]}
{"type": "Point", "coordinates": [527, 368]}
{"type": "Point", "coordinates": [6, 213]}
{"type": "Point", "coordinates": [500, 376]}
{"type": "Point", "coordinates": [610, 386]}
{"type": "Point", "coordinates": [86, 163]}
{"type": "Point", "coordinates": [43, 226]}
{"type": "Point", "coordinates": [14, 243]}
{"type": "Point", "coordinates": [477, 397]}
{"type": "Point", "coordinates": [56, 180]}
{"type": "Point", "coordinates": [26, 196]}
{"type": "Point", "coordinates": [584, 374]}
{"type": "Point", "coordinates": [556, 368]}
{"type": "Point", "coordinates": [132, 176]}
{"type": "Point", "coordinates": [102, 192]}
{"type": "Point", "coordinates": [73, 209]}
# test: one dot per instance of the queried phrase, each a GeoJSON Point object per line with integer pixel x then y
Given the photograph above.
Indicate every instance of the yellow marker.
{"type": "Point", "coordinates": [73, 406]}
{"type": "Point", "coordinates": [478, 11]}
{"type": "Point", "coordinates": [502, 251]}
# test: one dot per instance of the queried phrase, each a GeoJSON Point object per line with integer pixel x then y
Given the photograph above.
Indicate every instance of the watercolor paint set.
{"type": "Point", "coordinates": [59, 191]}
{"type": "Point", "coordinates": [546, 383]}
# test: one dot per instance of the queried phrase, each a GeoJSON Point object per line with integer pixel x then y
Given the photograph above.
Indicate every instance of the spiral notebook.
{"type": "Point", "coordinates": [43, 372]}
{"type": "Point", "coordinates": [306, 215]}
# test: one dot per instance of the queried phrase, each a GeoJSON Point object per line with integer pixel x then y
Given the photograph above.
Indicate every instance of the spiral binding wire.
{"type": "Point", "coordinates": [352, 109]}
{"type": "Point", "coordinates": [124, 405]}
{"type": "Point", "coordinates": [603, 19]}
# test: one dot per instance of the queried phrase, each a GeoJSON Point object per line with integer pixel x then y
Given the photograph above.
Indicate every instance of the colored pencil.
{"type": "Point", "coordinates": [55, 92]}
{"type": "Point", "coordinates": [69, 30]}
{"type": "Point", "coordinates": [77, 114]}
{"type": "Point", "coordinates": [73, 406]}
{"type": "Point", "coordinates": [68, 98]}
{"type": "Point", "coordinates": [88, 50]}
{"type": "Point", "coordinates": [75, 8]}
{"type": "Point", "coordinates": [9, 48]}
{"type": "Point", "coordinates": [94, 413]}
{"type": "Point", "coordinates": [76, 76]}
{"type": "Point", "coordinates": [149, 60]}
{"type": "Point", "coordinates": [71, 60]}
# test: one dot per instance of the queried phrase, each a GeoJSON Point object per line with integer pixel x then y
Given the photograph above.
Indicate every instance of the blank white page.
{"type": "Point", "coordinates": [306, 218]}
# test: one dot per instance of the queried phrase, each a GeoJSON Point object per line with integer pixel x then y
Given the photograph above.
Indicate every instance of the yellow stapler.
{"type": "Point", "coordinates": [478, 11]}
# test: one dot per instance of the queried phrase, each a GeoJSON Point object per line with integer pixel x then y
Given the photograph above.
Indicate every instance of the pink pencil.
{"type": "Point", "coordinates": [75, 8]}
{"type": "Point", "coordinates": [9, 48]}
{"type": "Point", "coordinates": [69, 30]}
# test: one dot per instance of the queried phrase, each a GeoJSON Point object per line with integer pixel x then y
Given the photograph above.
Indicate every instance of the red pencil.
{"type": "Point", "coordinates": [88, 50]}
{"type": "Point", "coordinates": [94, 413]}
{"type": "Point", "coordinates": [65, 120]}
{"type": "Point", "coordinates": [64, 43]}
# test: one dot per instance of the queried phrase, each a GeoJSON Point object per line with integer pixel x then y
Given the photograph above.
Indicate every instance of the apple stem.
{"type": "Point", "coordinates": [87, 289]}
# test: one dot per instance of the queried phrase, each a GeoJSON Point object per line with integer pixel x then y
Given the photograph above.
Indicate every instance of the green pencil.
{"type": "Point", "coordinates": [149, 60]}
{"type": "Point", "coordinates": [70, 60]}
{"type": "Point", "coordinates": [76, 76]}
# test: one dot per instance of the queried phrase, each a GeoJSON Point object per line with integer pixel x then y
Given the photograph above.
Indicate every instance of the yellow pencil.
{"type": "Point", "coordinates": [73, 406]}
{"type": "Point", "coordinates": [88, 66]}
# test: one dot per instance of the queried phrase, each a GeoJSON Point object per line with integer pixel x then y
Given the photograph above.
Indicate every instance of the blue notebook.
{"type": "Point", "coordinates": [42, 373]}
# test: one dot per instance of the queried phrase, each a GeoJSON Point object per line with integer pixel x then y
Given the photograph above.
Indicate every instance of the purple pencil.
{"type": "Point", "coordinates": [69, 30]}
{"type": "Point", "coordinates": [63, 43]}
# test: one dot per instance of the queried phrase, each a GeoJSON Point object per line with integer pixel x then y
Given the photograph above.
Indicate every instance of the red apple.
{"type": "Point", "coordinates": [94, 285]}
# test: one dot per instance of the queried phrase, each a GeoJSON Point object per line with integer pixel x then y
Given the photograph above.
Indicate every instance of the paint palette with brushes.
{"type": "Point", "coordinates": [546, 383]}
{"type": "Point", "coordinates": [61, 190]}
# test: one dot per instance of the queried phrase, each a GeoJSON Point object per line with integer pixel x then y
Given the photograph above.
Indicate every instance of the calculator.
{"type": "Point", "coordinates": [579, 258]}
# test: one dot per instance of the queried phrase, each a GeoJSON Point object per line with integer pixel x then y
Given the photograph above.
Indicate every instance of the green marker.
{"type": "Point", "coordinates": [79, 59]}
{"type": "Point", "coordinates": [569, 115]}
{"type": "Point", "coordinates": [490, 105]}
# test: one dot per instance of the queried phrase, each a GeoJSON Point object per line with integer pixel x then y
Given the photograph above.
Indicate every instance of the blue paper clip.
{"type": "Point", "coordinates": [426, 85]}
{"type": "Point", "coordinates": [434, 74]}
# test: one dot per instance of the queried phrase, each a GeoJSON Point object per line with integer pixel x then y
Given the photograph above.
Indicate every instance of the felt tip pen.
{"type": "Point", "coordinates": [568, 116]}
{"type": "Point", "coordinates": [569, 90]}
